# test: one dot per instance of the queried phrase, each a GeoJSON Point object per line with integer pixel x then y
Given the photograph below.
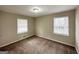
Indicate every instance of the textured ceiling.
{"type": "Point", "coordinates": [45, 9]}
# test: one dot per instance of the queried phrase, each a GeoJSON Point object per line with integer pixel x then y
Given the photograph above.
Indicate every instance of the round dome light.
{"type": "Point", "coordinates": [36, 10]}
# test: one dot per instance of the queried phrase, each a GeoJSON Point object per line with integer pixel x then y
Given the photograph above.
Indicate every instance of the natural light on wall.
{"type": "Point", "coordinates": [22, 26]}
{"type": "Point", "coordinates": [61, 25]}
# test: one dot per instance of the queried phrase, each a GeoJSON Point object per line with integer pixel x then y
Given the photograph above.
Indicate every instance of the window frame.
{"type": "Point", "coordinates": [67, 26]}
{"type": "Point", "coordinates": [17, 25]}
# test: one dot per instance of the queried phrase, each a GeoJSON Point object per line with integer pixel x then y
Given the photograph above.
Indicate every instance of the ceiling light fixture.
{"type": "Point", "coordinates": [36, 10]}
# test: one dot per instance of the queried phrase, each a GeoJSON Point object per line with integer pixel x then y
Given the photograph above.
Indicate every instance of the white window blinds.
{"type": "Point", "coordinates": [22, 26]}
{"type": "Point", "coordinates": [61, 25]}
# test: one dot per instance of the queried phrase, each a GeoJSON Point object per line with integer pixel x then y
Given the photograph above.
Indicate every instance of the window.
{"type": "Point", "coordinates": [61, 25]}
{"type": "Point", "coordinates": [22, 26]}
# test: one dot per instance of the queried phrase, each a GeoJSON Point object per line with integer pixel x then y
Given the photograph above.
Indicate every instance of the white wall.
{"type": "Point", "coordinates": [44, 28]}
{"type": "Point", "coordinates": [77, 29]}
{"type": "Point", "coordinates": [8, 28]}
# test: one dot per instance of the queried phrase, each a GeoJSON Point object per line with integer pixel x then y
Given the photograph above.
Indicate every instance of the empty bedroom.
{"type": "Point", "coordinates": [39, 29]}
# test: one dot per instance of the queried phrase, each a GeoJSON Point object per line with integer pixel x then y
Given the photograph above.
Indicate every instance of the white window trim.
{"type": "Point", "coordinates": [17, 26]}
{"type": "Point", "coordinates": [61, 33]}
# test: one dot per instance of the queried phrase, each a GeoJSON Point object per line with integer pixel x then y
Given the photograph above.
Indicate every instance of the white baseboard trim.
{"type": "Point", "coordinates": [38, 36]}
{"type": "Point", "coordinates": [77, 50]}
{"type": "Point", "coordinates": [15, 41]}
{"type": "Point", "coordinates": [57, 41]}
